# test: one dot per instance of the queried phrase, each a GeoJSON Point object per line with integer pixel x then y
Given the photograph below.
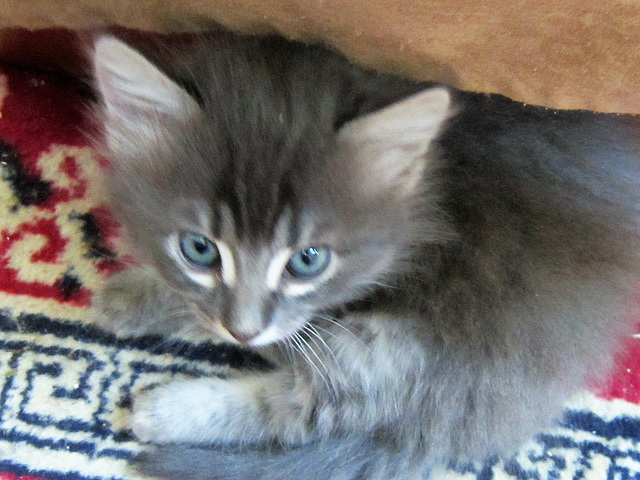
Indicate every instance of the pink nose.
{"type": "Point", "coordinates": [243, 337]}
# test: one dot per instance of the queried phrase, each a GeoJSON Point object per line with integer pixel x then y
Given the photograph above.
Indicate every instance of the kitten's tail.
{"type": "Point", "coordinates": [330, 460]}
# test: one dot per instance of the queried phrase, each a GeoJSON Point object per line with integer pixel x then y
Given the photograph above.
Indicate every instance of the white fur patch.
{"type": "Point", "coordinates": [270, 335]}
{"type": "Point", "coordinates": [201, 278]}
{"type": "Point", "coordinates": [299, 289]}
{"type": "Point", "coordinates": [228, 264]}
{"type": "Point", "coordinates": [276, 267]}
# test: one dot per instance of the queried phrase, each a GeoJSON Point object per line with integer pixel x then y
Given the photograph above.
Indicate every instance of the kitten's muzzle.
{"type": "Point", "coordinates": [221, 330]}
{"type": "Point", "coordinates": [242, 337]}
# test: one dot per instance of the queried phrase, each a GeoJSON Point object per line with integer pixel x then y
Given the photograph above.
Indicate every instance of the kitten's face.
{"type": "Point", "coordinates": [261, 289]}
{"type": "Point", "coordinates": [262, 220]}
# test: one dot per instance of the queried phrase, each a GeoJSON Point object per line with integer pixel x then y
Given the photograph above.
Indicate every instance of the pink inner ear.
{"type": "Point", "coordinates": [390, 146]}
{"type": "Point", "coordinates": [130, 83]}
{"type": "Point", "coordinates": [407, 124]}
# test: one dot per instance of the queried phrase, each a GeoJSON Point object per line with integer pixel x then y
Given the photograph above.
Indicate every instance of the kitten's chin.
{"type": "Point", "coordinates": [267, 337]}
{"type": "Point", "coordinates": [274, 334]}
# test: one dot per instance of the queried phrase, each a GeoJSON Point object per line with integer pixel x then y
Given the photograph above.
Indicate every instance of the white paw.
{"type": "Point", "coordinates": [183, 411]}
{"type": "Point", "coordinates": [150, 417]}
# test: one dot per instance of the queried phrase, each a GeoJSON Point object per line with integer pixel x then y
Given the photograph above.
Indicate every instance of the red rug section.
{"type": "Point", "coordinates": [9, 476]}
{"type": "Point", "coordinates": [40, 111]}
{"type": "Point", "coordinates": [624, 382]}
{"type": "Point", "coordinates": [55, 243]}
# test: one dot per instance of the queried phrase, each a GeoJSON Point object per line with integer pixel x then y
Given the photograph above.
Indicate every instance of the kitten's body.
{"type": "Point", "coordinates": [487, 278]}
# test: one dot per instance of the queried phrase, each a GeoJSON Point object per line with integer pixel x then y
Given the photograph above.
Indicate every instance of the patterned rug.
{"type": "Point", "coordinates": [66, 387]}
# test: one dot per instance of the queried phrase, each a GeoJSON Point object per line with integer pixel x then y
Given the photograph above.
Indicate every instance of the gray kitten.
{"type": "Point", "coordinates": [433, 272]}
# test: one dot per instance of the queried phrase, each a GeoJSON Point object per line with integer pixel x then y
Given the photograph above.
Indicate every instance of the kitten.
{"type": "Point", "coordinates": [433, 272]}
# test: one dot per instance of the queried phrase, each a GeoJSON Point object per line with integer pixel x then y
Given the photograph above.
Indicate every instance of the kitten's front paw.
{"type": "Point", "coordinates": [150, 416]}
{"type": "Point", "coordinates": [182, 411]}
{"type": "Point", "coordinates": [201, 411]}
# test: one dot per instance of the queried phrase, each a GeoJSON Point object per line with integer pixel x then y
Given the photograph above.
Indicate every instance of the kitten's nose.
{"type": "Point", "coordinates": [243, 337]}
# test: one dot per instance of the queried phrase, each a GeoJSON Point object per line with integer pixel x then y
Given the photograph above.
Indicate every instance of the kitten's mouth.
{"type": "Point", "coordinates": [218, 330]}
{"type": "Point", "coordinates": [267, 337]}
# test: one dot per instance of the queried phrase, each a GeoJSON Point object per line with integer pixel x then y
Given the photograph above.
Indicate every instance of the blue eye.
{"type": "Point", "coordinates": [199, 250]}
{"type": "Point", "coordinates": [309, 263]}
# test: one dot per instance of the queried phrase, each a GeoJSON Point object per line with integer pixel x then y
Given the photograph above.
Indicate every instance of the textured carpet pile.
{"type": "Point", "coordinates": [66, 387]}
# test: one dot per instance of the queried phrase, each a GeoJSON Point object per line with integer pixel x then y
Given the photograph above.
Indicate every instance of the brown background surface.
{"type": "Point", "coordinates": [564, 54]}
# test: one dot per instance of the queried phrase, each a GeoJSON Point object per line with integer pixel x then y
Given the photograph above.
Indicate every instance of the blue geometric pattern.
{"type": "Point", "coordinates": [66, 388]}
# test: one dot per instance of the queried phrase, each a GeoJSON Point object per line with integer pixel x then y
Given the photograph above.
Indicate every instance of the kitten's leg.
{"type": "Point", "coordinates": [290, 405]}
{"type": "Point", "coordinates": [249, 409]}
{"type": "Point", "coordinates": [324, 417]}
{"type": "Point", "coordinates": [134, 302]}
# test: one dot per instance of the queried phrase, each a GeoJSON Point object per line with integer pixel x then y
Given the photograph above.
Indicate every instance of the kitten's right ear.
{"type": "Point", "coordinates": [390, 145]}
{"type": "Point", "coordinates": [134, 90]}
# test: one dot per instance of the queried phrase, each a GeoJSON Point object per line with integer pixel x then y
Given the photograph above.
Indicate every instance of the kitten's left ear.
{"type": "Point", "coordinates": [391, 144]}
{"type": "Point", "coordinates": [134, 91]}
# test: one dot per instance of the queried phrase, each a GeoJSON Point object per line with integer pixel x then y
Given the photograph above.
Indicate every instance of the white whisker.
{"type": "Point", "coordinates": [110, 257]}
{"type": "Point", "coordinates": [315, 354]}
{"type": "Point", "coordinates": [299, 341]}
{"type": "Point", "coordinates": [297, 347]}
{"type": "Point", "coordinates": [385, 285]}
{"type": "Point", "coordinates": [312, 330]}
{"type": "Point", "coordinates": [174, 315]}
{"type": "Point", "coordinates": [286, 346]}
{"type": "Point", "coordinates": [318, 327]}
{"type": "Point", "coordinates": [338, 324]}
{"type": "Point", "coordinates": [328, 379]}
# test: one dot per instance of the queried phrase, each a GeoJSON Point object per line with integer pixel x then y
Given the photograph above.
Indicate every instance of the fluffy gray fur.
{"type": "Point", "coordinates": [486, 252]}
